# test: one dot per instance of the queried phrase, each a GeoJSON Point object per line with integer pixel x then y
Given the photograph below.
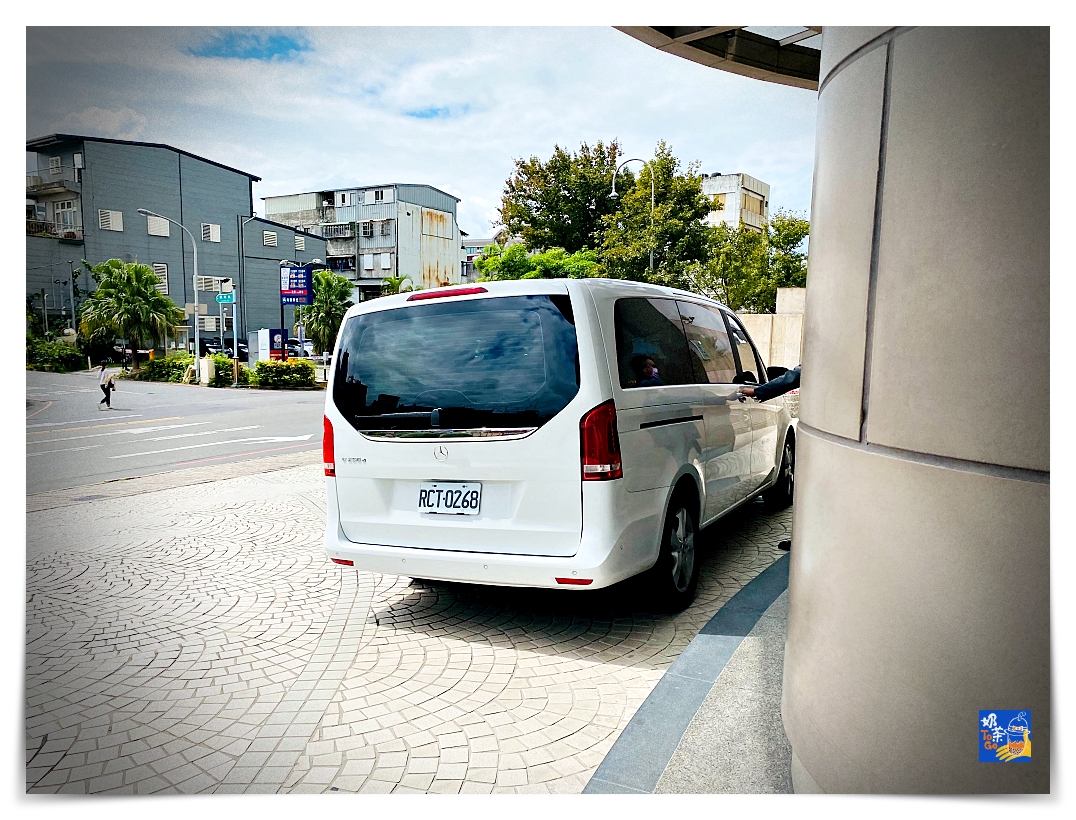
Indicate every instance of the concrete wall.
{"type": "Point", "coordinates": [919, 582]}
{"type": "Point", "coordinates": [779, 336]}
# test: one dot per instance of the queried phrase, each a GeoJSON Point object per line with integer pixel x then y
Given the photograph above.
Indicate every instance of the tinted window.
{"type": "Point", "coordinates": [744, 352]}
{"type": "Point", "coordinates": [708, 344]}
{"type": "Point", "coordinates": [651, 349]}
{"type": "Point", "coordinates": [506, 362]}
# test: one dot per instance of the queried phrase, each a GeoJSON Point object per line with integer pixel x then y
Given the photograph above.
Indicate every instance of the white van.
{"type": "Point", "coordinates": [545, 433]}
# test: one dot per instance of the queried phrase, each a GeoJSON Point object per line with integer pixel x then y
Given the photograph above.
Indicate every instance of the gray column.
{"type": "Point", "coordinates": [919, 580]}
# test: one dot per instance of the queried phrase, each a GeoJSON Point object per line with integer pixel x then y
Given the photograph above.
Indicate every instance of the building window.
{"type": "Point", "coordinates": [367, 229]}
{"type": "Point", "coordinates": [386, 261]}
{"type": "Point", "coordinates": [269, 239]}
{"type": "Point", "coordinates": [161, 269]}
{"type": "Point", "coordinates": [386, 227]}
{"type": "Point", "coordinates": [54, 165]}
{"type": "Point", "coordinates": [367, 261]}
{"type": "Point", "coordinates": [157, 226]}
{"type": "Point", "coordinates": [110, 220]}
{"type": "Point", "coordinates": [752, 204]}
{"type": "Point", "coordinates": [65, 213]}
{"type": "Point", "coordinates": [210, 232]}
{"type": "Point", "coordinates": [300, 242]}
{"type": "Point", "coordinates": [379, 196]}
{"type": "Point", "coordinates": [719, 202]}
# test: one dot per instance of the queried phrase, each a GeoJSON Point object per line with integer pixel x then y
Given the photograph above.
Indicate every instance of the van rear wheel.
{"type": "Point", "coordinates": [779, 496]}
{"type": "Point", "coordinates": [676, 574]}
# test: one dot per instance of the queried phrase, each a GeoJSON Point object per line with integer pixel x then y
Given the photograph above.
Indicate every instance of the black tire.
{"type": "Point", "coordinates": [675, 576]}
{"type": "Point", "coordinates": [779, 496]}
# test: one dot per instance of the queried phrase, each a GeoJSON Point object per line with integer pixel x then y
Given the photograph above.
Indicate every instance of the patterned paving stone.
{"type": "Point", "coordinates": [194, 638]}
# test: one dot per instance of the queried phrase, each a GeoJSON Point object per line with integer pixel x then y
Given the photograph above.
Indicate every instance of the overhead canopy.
{"type": "Point", "coordinates": [789, 55]}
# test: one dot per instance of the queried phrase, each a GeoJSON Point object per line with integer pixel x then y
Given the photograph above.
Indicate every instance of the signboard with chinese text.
{"type": "Point", "coordinates": [295, 285]}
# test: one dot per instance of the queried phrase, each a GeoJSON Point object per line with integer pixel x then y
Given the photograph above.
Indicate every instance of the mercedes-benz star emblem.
{"type": "Point", "coordinates": [440, 452]}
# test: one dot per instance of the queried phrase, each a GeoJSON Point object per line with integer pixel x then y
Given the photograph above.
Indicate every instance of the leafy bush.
{"type": "Point", "coordinates": [167, 369]}
{"type": "Point", "coordinates": [292, 373]}
{"type": "Point", "coordinates": [55, 357]}
{"type": "Point", "coordinates": [222, 372]}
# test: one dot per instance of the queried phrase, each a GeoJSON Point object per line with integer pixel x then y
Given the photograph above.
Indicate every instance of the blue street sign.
{"type": "Point", "coordinates": [226, 298]}
{"type": "Point", "coordinates": [295, 285]}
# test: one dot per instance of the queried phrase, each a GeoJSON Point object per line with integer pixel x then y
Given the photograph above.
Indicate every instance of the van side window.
{"type": "Point", "coordinates": [745, 353]}
{"type": "Point", "coordinates": [707, 344]}
{"type": "Point", "coordinates": [651, 348]}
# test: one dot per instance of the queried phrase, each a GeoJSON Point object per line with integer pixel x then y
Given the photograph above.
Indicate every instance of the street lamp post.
{"type": "Point", "coordinates": [614, 194]}
{"type": "Point", "coordinates": [71, 290]}
{"type": "Point", "coordinates": [194, 245]}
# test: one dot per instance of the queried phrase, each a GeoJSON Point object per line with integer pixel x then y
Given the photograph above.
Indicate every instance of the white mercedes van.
{"type": "Point", "coordinates": [545, 433]}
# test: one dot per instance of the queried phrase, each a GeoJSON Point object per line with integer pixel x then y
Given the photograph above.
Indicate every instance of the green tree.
{"type": "Point", "coordinates": [514, 262]}
{"type": "Point", "coordinates": [332, 298]}
{"type": "Point", "coordinates": [395, 284]}
{"type": "Point", "coordinates": [678, 237]}
{"type": "Point", "coordinates": [127, 303]}
{"type": "Point", "coordinates": [560, 203]}
{"type": "Point", "coordinates": [745, 266]}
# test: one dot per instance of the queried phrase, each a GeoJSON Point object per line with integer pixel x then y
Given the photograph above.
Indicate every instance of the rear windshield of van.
{"type": "Point", "coordinates": [507, 362]}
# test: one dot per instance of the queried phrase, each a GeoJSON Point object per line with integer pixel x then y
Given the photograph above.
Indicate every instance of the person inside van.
{"type": "Point", "coordinates": [646, 372]}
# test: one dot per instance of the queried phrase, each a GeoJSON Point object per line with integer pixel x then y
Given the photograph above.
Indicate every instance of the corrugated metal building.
{"type": "Point", "coordinates": [82, 202]}
{"type": "Point", "coordinates": [376, 231]}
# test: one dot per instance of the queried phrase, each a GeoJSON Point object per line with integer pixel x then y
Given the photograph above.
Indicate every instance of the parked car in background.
{"type": "Point", "coordinates": [244, 353]}
{"type": "Point", "coordinates": [545, 433]}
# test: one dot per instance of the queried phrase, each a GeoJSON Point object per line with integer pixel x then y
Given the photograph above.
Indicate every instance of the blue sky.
{"type": "Point", "coordinates": [316, 108]}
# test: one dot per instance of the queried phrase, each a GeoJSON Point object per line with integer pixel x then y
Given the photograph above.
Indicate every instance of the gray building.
{"type": "Point", "coordinates": [376, 231]}
{"type": "Point", "coordinates": [82, 202]}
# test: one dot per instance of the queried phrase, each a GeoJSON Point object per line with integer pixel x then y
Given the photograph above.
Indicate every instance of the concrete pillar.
{"type": "Point", "coordinates": [919, 581]}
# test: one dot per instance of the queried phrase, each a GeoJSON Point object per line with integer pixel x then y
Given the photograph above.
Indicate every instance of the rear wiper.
{"type": "Point", "coordinates": [434, 416]}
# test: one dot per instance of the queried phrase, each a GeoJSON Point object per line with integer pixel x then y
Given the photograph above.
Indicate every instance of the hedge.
{"type": "Point", "coordinates": [167, 369]}
{"type": "Point", "coordinates": [292, 373]}
{"type": "Point", "coordinates": [55, 357]}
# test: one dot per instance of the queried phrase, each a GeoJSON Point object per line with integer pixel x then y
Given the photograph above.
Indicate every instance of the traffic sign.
{"type": "Point", "coordinates": [226, 298]}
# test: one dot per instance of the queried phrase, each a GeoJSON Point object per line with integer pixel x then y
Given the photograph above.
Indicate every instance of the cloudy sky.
{"type": "Point", "coordinates": [317, 108]}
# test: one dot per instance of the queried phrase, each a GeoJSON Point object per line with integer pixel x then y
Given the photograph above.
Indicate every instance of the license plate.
{"type": "Point", "coordinates": [449, 497]}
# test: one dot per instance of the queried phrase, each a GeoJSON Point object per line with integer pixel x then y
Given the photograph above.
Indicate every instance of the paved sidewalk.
{"type": "Point", "coordinates": [195, 639]}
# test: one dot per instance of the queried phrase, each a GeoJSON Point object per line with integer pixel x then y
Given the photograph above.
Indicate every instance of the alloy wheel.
{"type": "Point", "coordinates": [682, 549]}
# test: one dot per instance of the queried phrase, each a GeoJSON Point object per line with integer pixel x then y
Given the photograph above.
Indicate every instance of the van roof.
{"type": "Point", "coordinates": [525, 287]}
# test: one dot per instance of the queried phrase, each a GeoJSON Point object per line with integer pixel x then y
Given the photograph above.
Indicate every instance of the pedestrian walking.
{"type": "Point", "coordinates": [108, 384]}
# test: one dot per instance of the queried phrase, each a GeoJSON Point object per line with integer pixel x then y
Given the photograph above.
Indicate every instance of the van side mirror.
{"type": "Point", "coordinates": [747, 377]}
{"type": "Point", "coordinates": [775, 371]}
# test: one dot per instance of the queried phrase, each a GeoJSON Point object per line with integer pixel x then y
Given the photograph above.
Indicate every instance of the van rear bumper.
{"type": "Point", "coordinates": [623, 544]}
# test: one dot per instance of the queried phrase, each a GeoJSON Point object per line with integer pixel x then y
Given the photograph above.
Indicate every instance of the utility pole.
{"type": "Point", "coordinates": [45, 311]}
{"type": "Point", "coordinates": [71, 291]}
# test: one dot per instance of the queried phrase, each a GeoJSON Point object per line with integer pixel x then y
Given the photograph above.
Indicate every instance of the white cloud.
{"type": "Point", "coordinates": [337, 113]}
{"type": "Point", "coordinates": [123, 124]}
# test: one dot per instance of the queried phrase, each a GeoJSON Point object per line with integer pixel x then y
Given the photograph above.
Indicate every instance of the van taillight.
{"type": "Point", "coordinates": [328, 448]}
{"type": "Point", "coordinates": [599, 444]}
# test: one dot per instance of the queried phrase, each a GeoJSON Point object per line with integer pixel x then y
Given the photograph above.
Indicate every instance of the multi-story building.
{"type": "Point", "coordinates": [744, 200]}
{"type": "Point", "coordinates": [470, 250]}
{"type": "Point", "coordinates": [82, 202]}
{"type": "Point", "coordinates": [376, 231]}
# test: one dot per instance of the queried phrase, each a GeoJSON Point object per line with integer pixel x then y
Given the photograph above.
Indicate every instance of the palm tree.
{"type": "Point", "coordinates": [395, 284]}
{"type": "Point", "coordinates": [332, 298]}
{"type": "Point", "coordinates": [128, 304]}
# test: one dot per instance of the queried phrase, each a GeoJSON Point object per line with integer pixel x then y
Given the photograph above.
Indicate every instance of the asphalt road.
{"type": "Point", "coordinates": [155, 427]}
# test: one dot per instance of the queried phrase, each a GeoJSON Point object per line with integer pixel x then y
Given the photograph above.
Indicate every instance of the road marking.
{"type": "Point", "coordinates": [39, 410]}
{"type": "Point", "coordinates": [91, 426]}
{"type": "Point", "coordinates": [119, 432]}
{"type": "Point", "coordinates": [240, 455]}
{"type": "Point", "coordinates": [83, 421]}
{"type": "Point", "coordinates": [258, 439]}
{"type": "Point", "coordinates": [203, 433]}
{"type": "Point", "coordinates": [67, 450]}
